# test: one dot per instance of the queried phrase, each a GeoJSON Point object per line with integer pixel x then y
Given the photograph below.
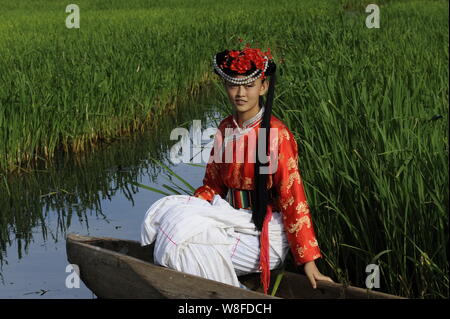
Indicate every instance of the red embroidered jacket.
{"type": "Point", "coordinates": [289, 197]}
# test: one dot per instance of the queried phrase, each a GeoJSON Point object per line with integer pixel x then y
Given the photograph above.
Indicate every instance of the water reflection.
{"type": "Point", "coordinates": [72, 190]}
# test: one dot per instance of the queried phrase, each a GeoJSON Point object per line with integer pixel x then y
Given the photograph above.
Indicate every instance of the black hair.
{"type": "Point", "coordinates": [261, 193]}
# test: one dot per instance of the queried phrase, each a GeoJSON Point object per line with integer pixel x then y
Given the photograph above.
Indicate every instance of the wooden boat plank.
{"type": "Point", "coordinates": [110, 274]}
{"type": "Point", "coordinates": [115, 268]}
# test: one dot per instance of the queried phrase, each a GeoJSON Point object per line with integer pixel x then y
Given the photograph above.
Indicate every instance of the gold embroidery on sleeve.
{"type": "Point", "coordinates": [284, 134]}
{"type": "Point", "coordinates": [302, 208]}
{"type": "Point", "coordinates": [287, 202]}
{"type": "Point", "coordinates": [301, 251]}
{"type": "Point", "coordinates": [291, 164]}
{"type": "Point", "coordinates": [295, 176]}
{"type": "Point", "coordinates": [313, 243]}
{"type": "Point", "coordinates": [299, 224]}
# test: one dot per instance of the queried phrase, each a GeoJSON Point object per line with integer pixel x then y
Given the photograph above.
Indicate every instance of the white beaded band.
{"type": "Point", "coordinates": [245, 80]}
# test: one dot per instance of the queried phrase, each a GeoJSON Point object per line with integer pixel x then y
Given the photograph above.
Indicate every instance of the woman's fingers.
{"type": "Point", "coordinates": [324, 278]}
{"type": "Point", "coordinates": [312, 280]}
{"type": "Point", "coordinates": [314, 274]}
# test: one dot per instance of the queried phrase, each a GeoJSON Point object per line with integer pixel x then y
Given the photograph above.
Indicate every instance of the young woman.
{"type": "Point", "coordinates": [254, 165]}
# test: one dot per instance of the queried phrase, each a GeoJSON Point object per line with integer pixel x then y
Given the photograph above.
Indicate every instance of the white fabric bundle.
{"type": "Point", "coordinates": [213, 241]}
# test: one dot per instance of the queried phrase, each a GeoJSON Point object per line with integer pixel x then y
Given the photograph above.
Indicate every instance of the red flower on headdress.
{"type": "Point", "coordinates": [241, 61]}
{"type": "Point", "coordinates": [233, 54]}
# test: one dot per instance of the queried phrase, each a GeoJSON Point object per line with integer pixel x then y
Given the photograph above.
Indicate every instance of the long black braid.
{"type": "Point", "coordinates": [261, 194]}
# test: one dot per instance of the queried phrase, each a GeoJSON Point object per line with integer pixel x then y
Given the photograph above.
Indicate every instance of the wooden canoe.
{"type": "Point", "coordinates": [116, 268]}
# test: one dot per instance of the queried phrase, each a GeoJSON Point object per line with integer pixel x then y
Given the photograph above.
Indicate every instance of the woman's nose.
{"type": "Point", "coordinates": [241, 90]}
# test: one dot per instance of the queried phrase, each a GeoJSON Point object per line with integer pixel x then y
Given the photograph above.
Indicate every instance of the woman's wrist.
{"type": "Point", "coordinates": [309, 264]}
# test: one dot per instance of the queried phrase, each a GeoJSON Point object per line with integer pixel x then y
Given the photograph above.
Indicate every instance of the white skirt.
{"type": "Point", "coordinates": [213, 241]}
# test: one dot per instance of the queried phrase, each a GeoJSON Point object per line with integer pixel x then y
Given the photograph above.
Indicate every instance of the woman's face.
{"type": "Point", "coordinates": [245, 97]}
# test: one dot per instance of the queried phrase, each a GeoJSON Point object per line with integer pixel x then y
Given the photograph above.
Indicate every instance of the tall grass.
{"type": "Point", "coordinates": [372, 122]}
{"type": "Point", "coordinates": [368, 107]}
{"type": "Point", "coordinates": [123, 70]}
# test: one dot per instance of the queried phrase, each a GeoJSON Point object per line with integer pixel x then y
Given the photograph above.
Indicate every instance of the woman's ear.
{"type": "Point", "coordinates": [264, 87]}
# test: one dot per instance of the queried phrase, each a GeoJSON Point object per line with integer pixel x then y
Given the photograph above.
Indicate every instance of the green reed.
{"type": "Point", "coordinates": [369, 108]}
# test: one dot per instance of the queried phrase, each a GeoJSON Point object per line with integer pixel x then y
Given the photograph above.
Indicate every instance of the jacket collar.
{"type": "Point", "coordinates": [250, 122]}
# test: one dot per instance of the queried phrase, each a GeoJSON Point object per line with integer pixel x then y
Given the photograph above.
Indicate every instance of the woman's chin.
{"type": "Point", "coordinates": [241, 108]}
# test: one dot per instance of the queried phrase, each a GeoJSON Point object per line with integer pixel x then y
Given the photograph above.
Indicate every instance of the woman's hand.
{"type": "Point", "coordinates": [314, 274]}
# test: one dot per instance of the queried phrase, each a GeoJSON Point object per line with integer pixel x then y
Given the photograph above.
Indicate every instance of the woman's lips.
{"type": "Point", "coordinates": [240, 102]}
